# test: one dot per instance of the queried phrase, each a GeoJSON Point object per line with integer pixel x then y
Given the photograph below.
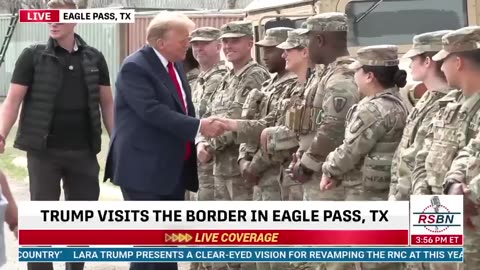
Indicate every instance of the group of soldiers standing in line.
{"type": "Point", "coordinates": [317, 124]}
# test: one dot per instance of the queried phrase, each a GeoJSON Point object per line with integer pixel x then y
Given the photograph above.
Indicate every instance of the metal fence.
{"type": "Point", "coordinates": [104, 37]}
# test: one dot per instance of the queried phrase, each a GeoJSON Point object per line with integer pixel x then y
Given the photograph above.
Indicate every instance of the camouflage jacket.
{"type": "Point", "coordinates": [227, 101]}
{"type": "Point", "coordinates": [373, 131]}
{"type": "Point", "coordinates": [412, 141]}
{"type": "Point", "coordinates": [466, 168]}
{"type": "Point", "coordinates": [204, 87]}
{"type": "Point", "coordinates": [455, 124]}
{"type": "Point", "coordinates": [326, 107]}
{"type": "Point", "coordinates": [281, 138]}
{"type": "Point", "coordinates": [268, 112]}
{"type": "Point", "coordinates": [192, 75]}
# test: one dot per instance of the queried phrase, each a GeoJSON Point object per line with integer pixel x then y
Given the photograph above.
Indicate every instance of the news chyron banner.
{"type": "Point", "coordinates": [246, 231]}
{"type": "Point", "coordinates": [76, 15]}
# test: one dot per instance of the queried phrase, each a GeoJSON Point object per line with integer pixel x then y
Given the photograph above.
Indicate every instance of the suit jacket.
{"type": "Point", "coordinates": [151, 129]}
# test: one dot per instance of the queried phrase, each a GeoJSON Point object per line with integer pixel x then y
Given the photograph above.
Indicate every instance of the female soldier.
{"type": "Point", "coordinates": [374, 129]}
{"type": "Point", "coordinates": [297, 60]}
{"type": "Point", "coordinates": [427, 71]}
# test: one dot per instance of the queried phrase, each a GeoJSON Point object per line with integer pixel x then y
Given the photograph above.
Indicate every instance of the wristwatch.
{"type": "Point", "coordinates": [448, 184]}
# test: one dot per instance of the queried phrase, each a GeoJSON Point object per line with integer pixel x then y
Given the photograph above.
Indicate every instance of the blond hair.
{"type": "Point", "coordinates": [58, 4]}
{"type": "Point", "coordinates": [165, 21]}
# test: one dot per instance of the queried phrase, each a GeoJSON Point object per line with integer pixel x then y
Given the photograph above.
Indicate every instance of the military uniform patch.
{"type": "Point", "coordinates": [339, 103]}
{"type": "Point", "coordinates": [246, 91]}
{"type": "Point", "coordinates": [356, 126]}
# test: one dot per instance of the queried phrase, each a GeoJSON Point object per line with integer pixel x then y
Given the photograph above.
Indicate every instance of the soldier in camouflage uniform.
{"type": "Point", "coordinates": [191, 67]}
{"type": "Point", "coordinates": [206, 50]}
{"type": "Point", "coordinates": [362, 164]}
{"type": "Point", "coordinates": [411, 94]}
{"type": "Point", "coordinates": [456, 123]}
{"type": "Point", "coordinates": [261, 110]}
{"type": "Point", "coordinates": [229, 97]}
{"type": "Point", "coordinates": [423, 69]}
{"type": "Point", "coordinates": [319, 120]}
{"type": "Point", "coordinates": [297, 60]}
{"type": "Point", "coordinates": [459, 112]}
{"type": "Point", "coordinates": [464, 179]}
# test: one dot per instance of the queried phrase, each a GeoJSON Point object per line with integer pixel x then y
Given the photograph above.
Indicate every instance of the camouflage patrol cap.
{"type": "Point", "coordinates": [295, 39]}
{"type": "Point", "coordinates": [327, 22]}
{"type": "Point", "coordinates": [274, 36]}
{"type": "Point", "coordinates": [379, 55]}
{"type": "Point", "coordinates": [426, 42]}
{"type": "Point", "coordinates": [236, 29]}
{"type": "Point", "coordinates": [205, 34]}
{"type": "Point", "coordinates": [461, 40]}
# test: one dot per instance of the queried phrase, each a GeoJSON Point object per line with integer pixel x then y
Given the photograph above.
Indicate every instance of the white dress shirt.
{"type": "Point", "coordinates": [165, 63]}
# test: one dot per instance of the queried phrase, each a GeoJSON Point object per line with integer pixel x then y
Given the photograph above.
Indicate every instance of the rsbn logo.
{"type": "Point", "coordinates": [436, 218]}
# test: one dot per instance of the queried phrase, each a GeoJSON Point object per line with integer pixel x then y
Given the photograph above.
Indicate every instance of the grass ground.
{"type": "Point", "coordinates": [12, 159]}
{"type": "Point", "coordinates": [14, 164]}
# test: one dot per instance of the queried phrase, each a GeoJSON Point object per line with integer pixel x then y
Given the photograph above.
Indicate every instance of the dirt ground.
{"type": "Point", "coordinates": [20, 191]}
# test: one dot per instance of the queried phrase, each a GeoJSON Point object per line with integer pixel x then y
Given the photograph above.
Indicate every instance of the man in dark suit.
{"type": "Point", "coordinates": [152, 154]}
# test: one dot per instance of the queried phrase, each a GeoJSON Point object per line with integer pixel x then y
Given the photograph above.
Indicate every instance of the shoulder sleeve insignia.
{"type": "Point", "coordinates": [339, 103]}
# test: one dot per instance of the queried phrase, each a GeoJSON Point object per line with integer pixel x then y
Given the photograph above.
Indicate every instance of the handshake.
{"type": "Point", "coordinates": [215, 126]}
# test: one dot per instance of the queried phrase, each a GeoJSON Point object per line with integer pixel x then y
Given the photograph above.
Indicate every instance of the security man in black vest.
{"type": "Point", "coordinates": [64, 89]}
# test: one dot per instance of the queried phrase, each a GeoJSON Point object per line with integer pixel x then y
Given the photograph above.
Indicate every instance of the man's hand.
{"type": "Point", "coordinates": [202, 154]}
{"type": "Point", "coordinates": [15, 232]}
{"type": "Point", "coordinates": [247, 173]}
{"type": "Point", "coordinates": [470, 207]}
{"type": "Point", "coordinates": [264, 139]}
{"type": "Point", "coordinates": [295, 158]}
{"type": "Point", "coordinates": [212, 127]}
{"type": "Point", "coordinates": [243, 164]}
{"type": "Point", "coordinates": [326, 183]}
{"type": "Point", "coordinates": [2, 144]}
{"type": "Point", "coordinates": [457, 189]}
{"type": "Point", "coordinates": [296, 171]}
{"type": "Point", "coordinates": [230, 124]}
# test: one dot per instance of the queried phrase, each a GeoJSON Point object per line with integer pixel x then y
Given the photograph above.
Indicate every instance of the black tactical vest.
{"type": "Point", "coordinates": [39, 102]}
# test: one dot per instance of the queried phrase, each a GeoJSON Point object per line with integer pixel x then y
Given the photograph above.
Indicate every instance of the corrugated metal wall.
{"type": "Point", "coordinates": [115, 41]}
{"type": "Point", "coordinates": [105, 37]}
{"type": "Point", "coordinates": [137, 31]}
{"type": "Point", "coordinates": [170, 4]}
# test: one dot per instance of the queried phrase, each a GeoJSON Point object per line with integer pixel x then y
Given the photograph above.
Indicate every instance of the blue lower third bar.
{"type": "Point", "coordinates": [240, 254]}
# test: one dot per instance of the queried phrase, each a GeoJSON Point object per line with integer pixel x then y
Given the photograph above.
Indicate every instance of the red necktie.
{"type": "Point", "coordinates": [171, 71]}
